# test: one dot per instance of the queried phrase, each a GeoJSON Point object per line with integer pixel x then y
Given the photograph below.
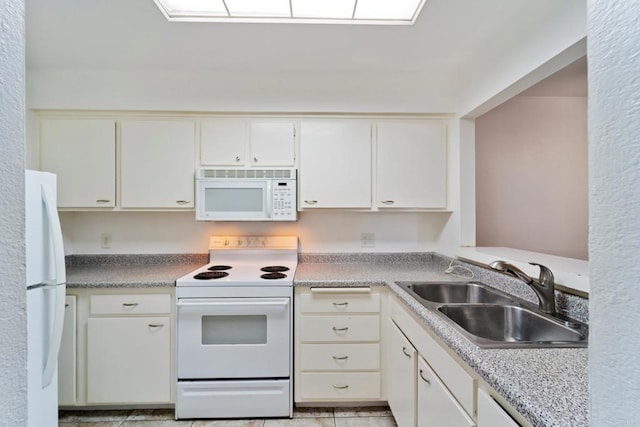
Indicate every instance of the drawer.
{"type": "Point", "coordinates": [130, 304]}
{"type": "Point", "coordinates": [339, 328]}
{"type": "Point", "coordinates": [339, 357]}
{"type": "Point", "coordinates": [340, 300]}
{"type": "Point", "coordinates": [340, 386]}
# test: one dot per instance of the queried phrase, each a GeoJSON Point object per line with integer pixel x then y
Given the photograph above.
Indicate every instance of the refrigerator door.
{"type": "Point", "coordinates": [45, 296]}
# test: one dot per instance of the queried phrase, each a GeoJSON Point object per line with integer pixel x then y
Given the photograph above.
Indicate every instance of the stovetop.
{"type": "Point", "coordinates": [246, 261]}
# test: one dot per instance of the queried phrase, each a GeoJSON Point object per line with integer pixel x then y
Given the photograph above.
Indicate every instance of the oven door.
{"type": "Point", "coordinates": [234, 338]}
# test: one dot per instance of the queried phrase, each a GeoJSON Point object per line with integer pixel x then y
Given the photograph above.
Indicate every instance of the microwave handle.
{"type": "Point", "coordinates": [269, 199]}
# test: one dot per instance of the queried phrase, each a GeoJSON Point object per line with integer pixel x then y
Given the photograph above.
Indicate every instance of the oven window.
{"type": "Point", "coordinates": [234, 199]}
{"type": "Point", "coordinates": [217, 330]}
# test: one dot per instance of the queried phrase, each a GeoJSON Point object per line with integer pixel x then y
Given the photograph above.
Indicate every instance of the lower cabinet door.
{"type": "Point", "coordinates": [401, 392]}
{"type": "Point", "coordinates": [491, 414]}
{"type": "Point", "coordinates": [436, 406]}
{"type": "Point", "coordinates": [67, 355]}
{"type": "Point", "coordinates": [129, 360]}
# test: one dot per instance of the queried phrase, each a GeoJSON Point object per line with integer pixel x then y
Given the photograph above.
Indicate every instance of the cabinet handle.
{"type": "Point", "coordinates": [156, 325]}
{"type": "Point", "coordinates": [182, 202]}
{"type": "Point", "coordinates": [237, 158]}
{"type": "Point", "coordinates": [340, 329]}
{"type": "Point", "coordinates": [340, 304]}
{"type": "Point", "coordinates": [404, 350]}
{"type": "Point", "coordinates": [129, 304]}
{"type": "Point", "coordinates": [388, 202]}
{"type": "Point", "coordinates": [102, 201]}
{"type": "Point", "coordinates": [424, 379]}
{"type": "Point", "coordinates": [340, 357]}
{"type": "Point", "coordinates": [311, 202]}
{"type": "Point", "coordinates": [341, 386]}
{"type": "Point", "coordinates": [255, 160]}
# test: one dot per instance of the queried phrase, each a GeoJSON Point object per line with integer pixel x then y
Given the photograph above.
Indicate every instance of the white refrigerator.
{"type": "Point", "coordinates": [45, 296]}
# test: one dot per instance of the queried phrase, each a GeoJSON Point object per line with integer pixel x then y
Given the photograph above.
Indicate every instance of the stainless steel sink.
{"type": "Point", "coordinates": [498, 326]}
{"type": "Point", "coordinates": [456, 293]}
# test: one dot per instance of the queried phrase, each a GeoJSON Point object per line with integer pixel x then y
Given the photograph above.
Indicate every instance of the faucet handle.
{"type": "Point", "coordinates": [546, 276]}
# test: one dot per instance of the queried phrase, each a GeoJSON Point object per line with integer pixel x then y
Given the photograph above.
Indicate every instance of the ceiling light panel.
{"type": "Point", "coordinates": [323, 9]}
{"type": "Point", "coordinates": [193, 7]}
{"type": "Point", "coordinates": [388, 9]}
{"type": "Point", "coordinates": [259, 8]}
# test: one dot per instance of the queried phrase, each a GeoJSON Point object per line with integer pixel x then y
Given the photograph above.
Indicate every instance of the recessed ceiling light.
{"type": "Point", "coordinates": [385, 12]}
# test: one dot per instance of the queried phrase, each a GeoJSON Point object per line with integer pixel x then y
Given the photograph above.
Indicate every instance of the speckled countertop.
{"type": "Point", "coordinates": [549, 387]}
{"type": "Point", "coordinates": [130, 271]}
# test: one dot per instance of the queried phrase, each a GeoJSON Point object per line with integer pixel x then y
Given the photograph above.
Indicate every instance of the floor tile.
{"type": "Point", "coordinates": [228, 423]}
{"type": "Point", "coordinates": [312, 412]}
{"type": "Point", "coordinates": [89, 423]}
{"type": "Point", "coordinates": [365, 411]}
{"type": "Point", "coordinates": [151, 414]}
{"type": "Point", "coordinates": [366, 422]}
{"type": "Point", "coordinates": [157, 423]}
{"type": "Point", "coordinates": [300, 422]}
{"type": "Point", "coordinates": [93, 416]}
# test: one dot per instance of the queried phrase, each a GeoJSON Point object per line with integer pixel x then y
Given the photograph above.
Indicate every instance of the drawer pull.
{"type": "Point", "coordinates": [345, 329]}
{"type": "Point", "coordinates": [311, 202]}
{"type": "Point", "coordinates": [340, 357]}
{"type": "Point", "coordinates": [156, 325]}
{"type": "Point", "coordinates": [388, 202]}
{"type": "Point", "coordinates": [404, 350]}
{"type": "Point", "coordinates": [102, 201]}
{"type": "Point", "coordinates": [340, 304]}
{"type": "Point", "coordinates": [182, 202]}
{"type": "Point", "coordinates": [424, 379]}
{"type": "Point", "coordinates": [129, 304]}
{"type": "Point", "coordinates": [341, 386]}
{"type": "Point", "coordinates": [345, 290]}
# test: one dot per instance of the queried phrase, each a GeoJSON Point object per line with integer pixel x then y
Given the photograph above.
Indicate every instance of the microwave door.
{"type": "Point", "coordinates": [234, 200]}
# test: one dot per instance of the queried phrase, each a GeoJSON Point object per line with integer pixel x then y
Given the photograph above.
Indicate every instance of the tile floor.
{"type": "Point", "coordinates": [302, 417]}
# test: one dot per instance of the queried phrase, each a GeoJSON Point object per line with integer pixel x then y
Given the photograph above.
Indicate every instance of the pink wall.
{"type": "Point", "coordinates": [531, 176]}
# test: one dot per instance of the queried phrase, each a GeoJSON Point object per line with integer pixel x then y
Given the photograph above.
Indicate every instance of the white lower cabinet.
{"type": "Point", "coordinates": [122, 351]}
{"type": "Point", "coordinates": [401, 392]}
{"type": "Point", "coordinates": [337, 345]}
{"type": "Point", "coordinates": [436, 405]}
{"type": "Point", "coordinates": [491, 414]}
{"type": "Point", "coordinates": [128, 360]}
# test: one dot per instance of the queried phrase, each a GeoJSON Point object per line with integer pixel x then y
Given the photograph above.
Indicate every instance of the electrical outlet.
{"type": "Point", "coordinates": [368, 240]}
{"type": "Point", "coordinates": [105, 240]}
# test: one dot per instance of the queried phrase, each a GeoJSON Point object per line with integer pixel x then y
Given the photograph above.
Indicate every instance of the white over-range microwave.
{"type": "Point", "coordinates": [246, 195]}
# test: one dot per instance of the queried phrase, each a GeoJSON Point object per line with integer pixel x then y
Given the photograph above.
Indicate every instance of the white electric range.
{"type": "Point", "coordinates": [235, 330]}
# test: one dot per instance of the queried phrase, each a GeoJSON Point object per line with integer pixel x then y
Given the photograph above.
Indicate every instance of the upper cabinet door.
{"type": "Point", "coordinates": [272, 143]}
{"type": "Point", "coordinates": [83, 155]}
{"type": "Point", "coordinates": [222, 142]}
{"type": "Point", "coordinates": [157, 163]}
{"type": "Point", "coordinates": [335, 164]}
{"type": "Point", "coordinates": [412, 165]}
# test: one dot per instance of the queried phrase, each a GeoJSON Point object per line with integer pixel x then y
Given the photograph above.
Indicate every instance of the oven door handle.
{"type": "Point", "coordinates": [199, 302]}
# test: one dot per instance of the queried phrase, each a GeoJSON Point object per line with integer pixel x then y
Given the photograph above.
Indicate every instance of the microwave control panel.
{"type": "Point", "coordinates": [284, 200]}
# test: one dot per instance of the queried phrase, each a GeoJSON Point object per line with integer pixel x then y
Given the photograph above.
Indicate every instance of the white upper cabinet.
{"type": "Point", "coordinates": [82, 152]}
{"type": "Point", "coordinates": [255, 142]}
{"type": "Point", "coordinates": [157, 163]}
{"type": "Point", "coordinates": [335, 164]}
{"type": "Point", "coordinates": [411, 165]}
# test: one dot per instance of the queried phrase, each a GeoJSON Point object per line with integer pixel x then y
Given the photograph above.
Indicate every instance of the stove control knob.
{"type": "Point", "coordinates": [226, 242]}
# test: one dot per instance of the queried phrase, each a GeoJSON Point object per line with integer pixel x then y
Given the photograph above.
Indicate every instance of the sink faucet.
{"type": "Point", "coordinates": [543, 287]}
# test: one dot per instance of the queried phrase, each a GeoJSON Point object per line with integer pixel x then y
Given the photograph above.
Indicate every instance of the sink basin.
{"type": "Point", "coordinates": [456, 293]}
{"type": "Point", "coordinates": [495, 326]}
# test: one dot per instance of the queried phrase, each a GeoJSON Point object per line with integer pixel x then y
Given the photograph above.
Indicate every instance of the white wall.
{"type": "Point", "coordinates": [13, 323]}
{"type": "Point", "coordinates": [178, 232]}
{"type": "Point", "coordinates": [614, 202]}
{"type": "Point", "coordinates": [531, 176]}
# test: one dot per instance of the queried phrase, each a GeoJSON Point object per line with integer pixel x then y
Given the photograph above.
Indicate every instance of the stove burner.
{"type": "Point", "coordinates": [211, 275]}
{"type": "Point", "coordinates": [273, 276]}
{"type": "Point", "coordinates": [219, 267]}
{"type": "Point", "coordinates": [274, 268]}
